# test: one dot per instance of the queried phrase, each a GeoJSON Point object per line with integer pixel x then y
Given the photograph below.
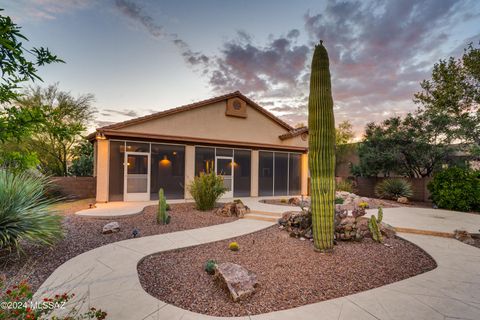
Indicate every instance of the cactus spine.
{"type": "Point", "coordinates": [321, 150]}
{"type": "Point", "coordinates": [374, 226]}
{"type": "Point", "coordinates": [162, 215]}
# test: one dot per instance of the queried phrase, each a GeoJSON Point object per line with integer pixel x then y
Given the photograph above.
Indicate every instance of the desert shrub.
{"type": "Point", "coordinates": [393, 189]}
{"type": "Point", "coordinates": [206, 189]}
{"type": "Point", "coordinates": [233, 246]}
{"type": "Point", "coordinates": [210, 266]}
{"type": "Point", "coordinates": [344, 185]}
{"type": "Point", "coordinates": [19, 297]}
{"type": "Point", "coordinates": [25, 211]}
{"type": "Point", "coordinates": [339, 200]}
{"type": "Point", "coordinates": [456, 189]}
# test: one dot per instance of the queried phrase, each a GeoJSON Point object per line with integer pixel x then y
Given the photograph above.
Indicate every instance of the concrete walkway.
{"type": "Point", "coordinates": [436, 220]}
{"type": "Point", "coordinates": [120, 208]}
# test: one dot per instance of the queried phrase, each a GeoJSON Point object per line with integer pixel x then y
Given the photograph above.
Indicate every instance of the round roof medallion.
{"type": "Point", "coordinates": [237, 105]}
{"type": "Point", "coordinates": [304, 136]}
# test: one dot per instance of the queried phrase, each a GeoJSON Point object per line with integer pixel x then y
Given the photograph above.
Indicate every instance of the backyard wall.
{"type": "Point", "coordinates": [76, 187]}
{"type": "Point", "coordinates": [365, 186]}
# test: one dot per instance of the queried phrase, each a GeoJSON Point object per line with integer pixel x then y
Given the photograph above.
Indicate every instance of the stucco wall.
{"type": "Point", "coordinates": [210, 122]}
{"type": "Point", "coordinates": [76, 187]}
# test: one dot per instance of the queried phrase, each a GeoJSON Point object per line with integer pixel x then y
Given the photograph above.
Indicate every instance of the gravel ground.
{"type": "Point", "coordinates": [83, 234]}
{"type": "Point", "coordinates": [289, 272]}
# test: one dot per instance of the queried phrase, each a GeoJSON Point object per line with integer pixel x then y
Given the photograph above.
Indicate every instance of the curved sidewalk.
{"type": "Point", "coordinates": [107, 277]}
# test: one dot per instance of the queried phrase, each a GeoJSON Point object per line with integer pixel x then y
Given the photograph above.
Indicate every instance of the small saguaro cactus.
{"type": "Point", "coordinates": [374, 224]}
{"type": "Point", "coordinates": [162, 215]}
{"type": "Point", "coordinates": [321, 150]}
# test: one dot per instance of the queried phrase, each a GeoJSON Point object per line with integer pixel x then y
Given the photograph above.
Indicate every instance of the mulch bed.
{"type": "Point", "coordinates": [290, 273]}
{"type": "Point", "coordinates": [84, 233]}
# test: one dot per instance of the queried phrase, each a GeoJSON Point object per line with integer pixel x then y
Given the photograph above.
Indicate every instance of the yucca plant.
{"type": "Point", "coordinates": [393, 189]}
{"type": "Point", "coordinates": [25, 212]}
{"type": "Point", "coordinates": [321, 150]}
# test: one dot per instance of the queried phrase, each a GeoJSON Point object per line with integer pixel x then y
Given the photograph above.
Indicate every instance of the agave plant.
{"type": "Point", "coordinates": [393, 189]}
{"type": "Point", "coordinates": [25, 212]}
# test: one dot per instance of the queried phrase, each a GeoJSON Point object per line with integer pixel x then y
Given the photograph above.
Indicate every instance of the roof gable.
{"type": "Point", "coordinates": [199, 104]}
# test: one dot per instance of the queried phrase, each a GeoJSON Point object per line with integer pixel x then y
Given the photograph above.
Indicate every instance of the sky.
{"type": "Point", "coordinates": [140, 57]}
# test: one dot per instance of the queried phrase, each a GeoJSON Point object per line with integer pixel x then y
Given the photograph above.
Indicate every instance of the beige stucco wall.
{"type": "Point", "coordinates": [210, 122]}
{"type": "Point", "coordinates": [304, 174]}
{"type": "Point", "coordinates": [102, 166]}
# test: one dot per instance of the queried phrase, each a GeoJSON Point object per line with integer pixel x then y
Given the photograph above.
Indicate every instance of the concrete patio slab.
{"type": "Point", "coordinates": [430, 219]}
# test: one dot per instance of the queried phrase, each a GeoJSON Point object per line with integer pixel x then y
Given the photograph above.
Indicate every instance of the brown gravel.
{"type": "Point", "coordinates": [290, 273]}
{"type": "Point", "coordinates": [83, 234]}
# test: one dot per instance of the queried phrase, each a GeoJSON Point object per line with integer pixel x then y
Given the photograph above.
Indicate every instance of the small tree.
{"type": "Point", "coordinates": [66, 119]}
{"type": "Point", "coordinates": [206, 189]}
{"type": "Point", "coordinates": [82, 161]}
{"type": "Point", "coordinates": [16, 68]}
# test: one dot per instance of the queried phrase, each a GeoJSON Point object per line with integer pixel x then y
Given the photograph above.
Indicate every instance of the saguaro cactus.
{"type": "Point", "coordinates": [321, 150]}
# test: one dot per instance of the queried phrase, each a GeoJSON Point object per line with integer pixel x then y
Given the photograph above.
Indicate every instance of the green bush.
{"type": "Point", "coordinates": [456, 189]}
{"type": "Point", "coordinates": [25, 211]}
{"type": "Point", "coordinates": [210, 266]}
{"type": "Point", "coordinates": [206, 189]}
{"type": "Point", "coordinates": [339, 200]}
{"type": "Point", "coordinates": [344, 185]}
{"type": "Point", "coordinates": [393, 189]}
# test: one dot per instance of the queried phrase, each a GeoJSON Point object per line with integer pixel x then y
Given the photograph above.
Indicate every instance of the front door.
{"type": "Point", "coordinates": [224, 168]}
{"type": "Point", "coordinates": [137, 176]}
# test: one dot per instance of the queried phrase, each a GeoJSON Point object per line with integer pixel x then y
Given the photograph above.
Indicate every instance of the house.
{"type": "Point", "coordinates": [257, 153]}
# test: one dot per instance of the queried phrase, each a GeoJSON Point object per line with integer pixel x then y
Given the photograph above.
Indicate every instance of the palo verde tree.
{"type": "Point", "coordinates": [321, 150]}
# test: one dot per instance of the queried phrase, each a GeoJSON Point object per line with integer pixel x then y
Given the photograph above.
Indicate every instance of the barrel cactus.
{"type": "Point", "coordinates": [321, 152]}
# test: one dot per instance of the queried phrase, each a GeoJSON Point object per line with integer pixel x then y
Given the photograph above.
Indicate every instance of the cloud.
{"type": "Point", "coordinates": [275, 68]}
{"type": "Point", "coordinates": [133, 11]}
{"type": "Point", "coordinates": [23, 10]}
{"type": "Point", "coordinates": [124, 112]}
{"type": "Point", "coordinates": [379, 52]}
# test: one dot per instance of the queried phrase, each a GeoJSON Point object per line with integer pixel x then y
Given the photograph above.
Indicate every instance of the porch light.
{"type": "Point", "coordinates": [100, 136]}
{"type": "Point", "coordinates": [165, 162]}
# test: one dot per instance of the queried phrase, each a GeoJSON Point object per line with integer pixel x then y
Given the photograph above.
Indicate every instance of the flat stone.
{"type": "Point", "coordinates": [239, 281]}
{"type": "Point", "coordinates": [111, 227]}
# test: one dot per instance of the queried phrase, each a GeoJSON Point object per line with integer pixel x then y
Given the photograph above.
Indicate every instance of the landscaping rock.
{"type": "Point", "coordinates": [233, 209]}
{"type": "Point", "coordinates": [111, 227]}
{"type": "Point", "coordinates": [402, 200]}
{"type": "Point", "coordinates": [464, 236]}
{"type": "Point", "coordinates": [239, 281]}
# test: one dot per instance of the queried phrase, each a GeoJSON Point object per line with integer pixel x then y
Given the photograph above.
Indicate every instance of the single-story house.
{"type": "Point", "coordinates": [257, 153]}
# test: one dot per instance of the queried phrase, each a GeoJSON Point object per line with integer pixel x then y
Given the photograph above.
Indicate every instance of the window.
{"type": "Point", "coordinates": [242, 173]}
{"type": "Point", "coordinates": [265, 174]}
{"type": "Point", "coordinates": [279, 173]}
{"type": "Point", "coordinates": [167, 171]}
{"type": "Point", "coordinates": [204, 160]}
{"type": "Point", "coordinates": [115, 178]}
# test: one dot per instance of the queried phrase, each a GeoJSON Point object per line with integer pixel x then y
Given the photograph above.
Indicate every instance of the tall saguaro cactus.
{"type": "Point", "coordinates": [321, 150]}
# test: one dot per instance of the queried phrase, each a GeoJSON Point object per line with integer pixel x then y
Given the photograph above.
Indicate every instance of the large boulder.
{"type": "Point", "coordinates": [233, 209]}
{"type": "Point", "coordinates": [111, 227]}
{"type": "Point", "coordinates": [464, 236]}
{"type": "Point", "coordinates": [239, 282]}
{"type": "Point", "coordinates": [402, 200]}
